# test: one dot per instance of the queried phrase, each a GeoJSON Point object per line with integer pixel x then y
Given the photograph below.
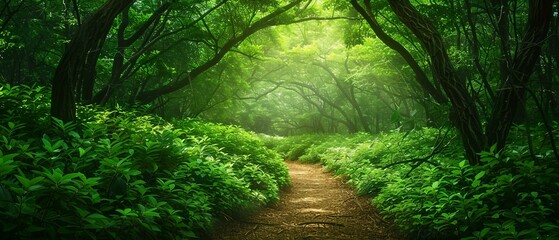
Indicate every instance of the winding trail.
{"type": "Point", "coordinates": [316, 206]}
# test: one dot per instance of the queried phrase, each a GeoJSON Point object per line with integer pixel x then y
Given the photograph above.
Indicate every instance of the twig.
{"type": "Point", "coordinates": [439, 147]}
{"type": "Point", "coordinates": [358, 204]}
{"type": "Point", "coordinates": [338, 216]}
{"type": "Point", "coordinates": [260, 223]}
{"type": "Point", "coordinates": [251, 230]}
{"type": "Point", "coordinates": [377, 218]}
{"type": "Point", "coordinates": [324, 223]}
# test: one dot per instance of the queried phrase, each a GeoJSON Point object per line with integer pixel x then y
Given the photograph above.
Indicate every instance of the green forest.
{"type": "Point", "coordinates": [158, 119]}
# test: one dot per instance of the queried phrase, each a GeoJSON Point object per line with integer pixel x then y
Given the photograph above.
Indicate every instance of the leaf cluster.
{"type": "Point", "coordinates": [121, 174]}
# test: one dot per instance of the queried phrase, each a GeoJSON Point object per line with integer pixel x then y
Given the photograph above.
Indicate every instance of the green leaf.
{"type": "Point", "coordinates": [549, 226]}
{"type": "Point", "coordinates": [69, 177]}
{"type": "Point", "coordinates": [134, 172]}
{"type": "Point", "coordinates": [7, 165]}
{"type": "Point", "coordinates": [484, 232]}
{"type": "Point", "coordinates": [46, 144]}
{"type": "Point", "coordinates": [479, 175]}
{"type": "Point", "coordinates": [55, 176]}
{"type": "Point", "coordinates": [24, 181]}
{"type": "Point", "coordinates": [435, 184]}
{"type": "Point", "coordinates": [82, 151]}
{"type": "Point", "coordinates": [74, 134]}
{"type": "Point", "coordinates": [124, 211]}
{"type": "Point", "coordinates": [35, 187]}
{"type": "Point", "coordinates": [81, 212]}
{"type": "Point", "coordinates": [476, 183]}
{"type": "Point", "coordinates": [150, 214]}
{"type": "Point", "coordinates": [493, 148]}
{"type": "Point", "coordinates": [96, 216]}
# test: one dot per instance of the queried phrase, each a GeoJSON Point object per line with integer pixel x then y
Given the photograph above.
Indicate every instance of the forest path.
{"type": "Point", "coordinates": [316, 206]}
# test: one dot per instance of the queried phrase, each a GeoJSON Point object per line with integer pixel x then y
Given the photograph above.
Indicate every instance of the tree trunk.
{"type": "Point", "coordinates": [512, 94]}
{"type": "Point", "coordinates": [119, 67]}
{"type": "Point", "coordinates": [463, 113]}
{"type": "Point", "coordinates": [476, 50]}
{"type": "Point", "coordinates": [80, 56]}
{"type": "Point", "coordinates": [420, 75]}
{"type": "Point", "coordinates": [501, 15]}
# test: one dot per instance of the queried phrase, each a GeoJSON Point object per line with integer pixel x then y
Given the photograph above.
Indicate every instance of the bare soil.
{"type": "Point", "coordinates": [316, 206]}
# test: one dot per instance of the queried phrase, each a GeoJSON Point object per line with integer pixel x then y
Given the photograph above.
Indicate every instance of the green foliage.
{"type": "Point", "coordinates": [293, 148]}
{"type": "Point", "coordinates": [117, 174]}
{"type": "Point", "coordinates": [509, 196]}
{"type": "Point", "coordinates": [245, 146]}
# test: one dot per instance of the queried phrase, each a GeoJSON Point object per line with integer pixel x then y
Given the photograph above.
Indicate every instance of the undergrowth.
{"type": "Point", "coordinates": [122, 174]}
{"type": "Point", "coordinates": [421, 181]}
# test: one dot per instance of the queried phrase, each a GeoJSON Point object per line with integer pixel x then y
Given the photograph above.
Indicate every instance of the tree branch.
{"type": "Point", "coordinates": [438, 148]}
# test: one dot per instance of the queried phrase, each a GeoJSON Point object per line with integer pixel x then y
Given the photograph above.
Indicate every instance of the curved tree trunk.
{"type": "Point", "coordinates": [512, 94]}
{"type": "Point", "coordinates": [119, 67]}
{"type": "Point", "coordinates": [80, 56]}
{"type": "Point", "coordinates": [420, 75]}
{"type": "Point", "coordinates": [463, 113]}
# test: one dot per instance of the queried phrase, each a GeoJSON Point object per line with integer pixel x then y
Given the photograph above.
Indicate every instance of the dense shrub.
{"type": "Point", "coordinates": [307, 148]}
{"type": "Point", "coordinates": [116, 174]}
{"type": "Point", "coordinates": [293, 148]}
{"type": "Point", "coordinates": [511, 195]}
{"type": "Point", "coordinates": [251, 152]}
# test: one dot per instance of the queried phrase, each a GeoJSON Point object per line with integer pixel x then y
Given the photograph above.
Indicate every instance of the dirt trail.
{"type": "Point", "coordinates": [317, 206]}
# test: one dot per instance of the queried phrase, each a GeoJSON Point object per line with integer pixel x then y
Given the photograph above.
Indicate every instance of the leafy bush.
{"type": "Point", "coordinates": [247, 146]}
{"type": "Point", "coordinates": [293, 148]}
{"type": "Point", "coordinates": [116, 174]}
{"type": "Point", "coordinates": [307, 148]}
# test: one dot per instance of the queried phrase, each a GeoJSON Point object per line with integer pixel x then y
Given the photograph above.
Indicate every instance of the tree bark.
{"type": "Point", "coordinates": [501, 14]}
{"type": "Point", "coordinates": [420, 75]}
{"type": "Point", "coordinates": [463, 113]}
{"type": "Point", "coordinates": [124, 43]}
{"type": "Point", "coordinates": [81, 52]}
{"type": "Point", "coordinates": [476, 50]}
{"type": "Point", "coordinates": [512, 94]}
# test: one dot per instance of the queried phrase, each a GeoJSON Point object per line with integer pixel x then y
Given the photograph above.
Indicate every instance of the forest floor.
{"type": "Point", "coordinates": [316, 206]}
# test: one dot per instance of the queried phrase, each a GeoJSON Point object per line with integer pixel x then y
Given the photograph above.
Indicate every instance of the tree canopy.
{"type": "Point", "coordinates": [485, 70]}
